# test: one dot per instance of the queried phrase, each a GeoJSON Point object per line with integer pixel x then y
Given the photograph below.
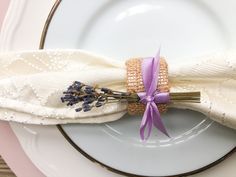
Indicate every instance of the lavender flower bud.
{"type": "Point", "coordinates": [87, 108]}
{"type": "Point", "coordinates": [105, 90]}
{"type": "Point", "coordinates": [78, 109]}
{"type": "Point", "coordinates": [98, 104]}
{"type": "Point", "coordinates": [88, 90]}
{"type": "Point", "coordinates": [77, 83]}
{"type": "Point", "coordinates": [85, 105]}
{"type": "Point", "coordinates": [101, 99]}
{"type": "Point", "coordinates": [88, 100]}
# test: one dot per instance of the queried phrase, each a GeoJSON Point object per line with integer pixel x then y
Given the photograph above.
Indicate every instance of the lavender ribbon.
{"type": "Point", "coordinates": [151, 97]}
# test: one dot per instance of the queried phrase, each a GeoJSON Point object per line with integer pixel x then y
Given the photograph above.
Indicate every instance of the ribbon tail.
{"type": "Point", "coordinates": [157, 120]}
{"type": "Point", "coordinates": [149, 124]}
{"type": "Point", "coordinates": [147, 121]}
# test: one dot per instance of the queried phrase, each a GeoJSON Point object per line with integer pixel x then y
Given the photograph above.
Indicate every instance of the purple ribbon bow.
{"type": "Point", "coordinates": [151, 97]}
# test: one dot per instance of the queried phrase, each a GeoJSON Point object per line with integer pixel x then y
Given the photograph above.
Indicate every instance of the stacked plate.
{"type": "Point", "coordinates": [121, 29]}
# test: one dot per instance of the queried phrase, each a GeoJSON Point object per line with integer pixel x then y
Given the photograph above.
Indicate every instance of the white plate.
{"type": "Point", "coordinates": [122, 29]}
{"type": "Point", "coordinates": [44, 145]}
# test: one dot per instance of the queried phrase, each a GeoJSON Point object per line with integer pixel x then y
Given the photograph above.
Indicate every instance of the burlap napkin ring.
{"type": "Point", "coordinates": [134, 84]}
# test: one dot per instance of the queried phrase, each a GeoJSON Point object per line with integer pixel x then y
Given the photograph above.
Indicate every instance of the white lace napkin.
{"type": "Point", "coordinates": [32, 82]}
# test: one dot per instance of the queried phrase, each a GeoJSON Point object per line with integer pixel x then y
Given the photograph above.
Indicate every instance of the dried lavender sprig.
{"type": "Point", "coordinates": [91, 97]}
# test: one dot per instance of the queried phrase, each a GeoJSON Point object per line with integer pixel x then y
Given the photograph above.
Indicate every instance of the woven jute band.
{"type": "Point", "coordinates": [135, 83]}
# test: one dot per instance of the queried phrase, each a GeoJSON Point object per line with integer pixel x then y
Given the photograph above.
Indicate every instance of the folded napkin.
{"type": "Point", "coordinates": [32, 83]}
